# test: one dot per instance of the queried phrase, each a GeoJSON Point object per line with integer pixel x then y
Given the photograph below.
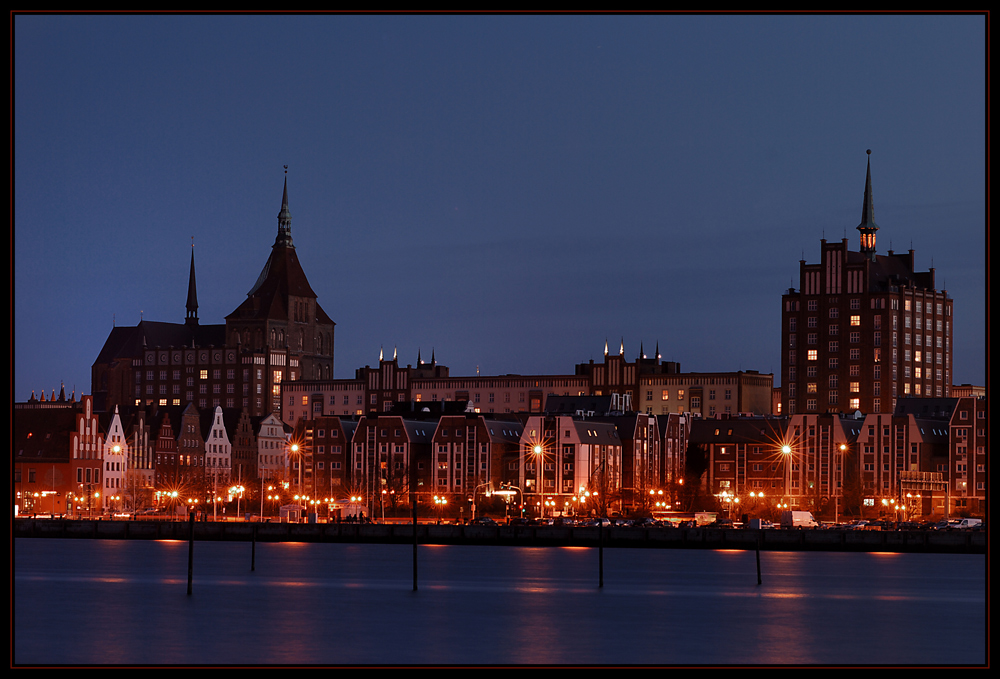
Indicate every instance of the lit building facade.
{"type": "Point", "coordinates": [863, 329]}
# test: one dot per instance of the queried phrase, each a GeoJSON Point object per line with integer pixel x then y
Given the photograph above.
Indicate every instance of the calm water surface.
{"type": "Point", "coordinates": [125, 602]}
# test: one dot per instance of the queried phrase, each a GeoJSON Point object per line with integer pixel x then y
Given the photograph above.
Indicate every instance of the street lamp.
{"type": "Point", "coordinates": [539, 452]}
{"type": "Point", "coordinates": [238, 492]}
{"type": "Point", "coordinates": [786, 451]}
{"type": "Point", "coordinates": [440, 502]}
{"type": "Point", "coordinates": [508, 490]}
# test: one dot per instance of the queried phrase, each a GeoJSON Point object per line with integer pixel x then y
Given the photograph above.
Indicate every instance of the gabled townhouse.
{"type": "Point", "coordinates": [272, 449]}
{"type": "Point", "coordinates": [675, 428]}
{"type": "Point", "coordinates": [384, 448]}
{"type": "Point", "coordinates": [116, 454]}
{"type": "Point", "coordinates": [218, 470]}
{"type": "Point", "coordinates": [86, 442]}
{"type": "Point", "coordinates": [243, 436]}
{"type": "Point", "coordinates": [564, 460]}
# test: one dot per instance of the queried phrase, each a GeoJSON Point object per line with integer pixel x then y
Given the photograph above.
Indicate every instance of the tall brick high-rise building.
{"type": "Point", "coordinates": [863, 329]}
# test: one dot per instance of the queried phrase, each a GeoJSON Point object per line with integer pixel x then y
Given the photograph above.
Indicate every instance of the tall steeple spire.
{"type": "Point", "coordinates": [192, 300]}
{"type": "Point", "coordinates": [868, 227]}
{"type": "Point", "coordinates": [284, 218]}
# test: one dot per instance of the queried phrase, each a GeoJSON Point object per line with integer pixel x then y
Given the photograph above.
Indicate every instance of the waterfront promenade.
{"type": "Point", "coordinates": [955, 542]}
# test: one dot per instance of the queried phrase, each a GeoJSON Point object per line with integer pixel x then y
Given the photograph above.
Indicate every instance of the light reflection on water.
{"type": "Point", "coordinates": [354, 604]}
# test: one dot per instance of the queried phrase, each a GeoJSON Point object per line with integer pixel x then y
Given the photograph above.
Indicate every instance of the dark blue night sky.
{"type": "Point", "coordinates": [508, 191]}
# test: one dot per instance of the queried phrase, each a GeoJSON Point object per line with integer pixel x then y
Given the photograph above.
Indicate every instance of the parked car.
{"type": "Point", "coordinates": [944, 524]}
{"type": "Point", "coordinates": [797, 519]}
{"type": "Point", "coordinates": [482, 521]}
{"type": "Point", "coordinates": [968, 524]}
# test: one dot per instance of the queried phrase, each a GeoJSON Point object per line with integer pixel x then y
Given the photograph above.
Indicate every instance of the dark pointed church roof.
{"type": "Point", "coordinates": [281, 277]}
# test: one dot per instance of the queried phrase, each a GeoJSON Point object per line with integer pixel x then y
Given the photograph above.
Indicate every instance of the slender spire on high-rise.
{"type": "Point", "coordinates": [192, 300]}
{"type": "Point", "coordinates": [868, 227]}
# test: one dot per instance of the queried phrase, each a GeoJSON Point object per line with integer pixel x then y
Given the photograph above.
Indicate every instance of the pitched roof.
{"type": "Point", "coordinates": [281, 276]}
{"type": "Point", "coordinates": [128, 342]}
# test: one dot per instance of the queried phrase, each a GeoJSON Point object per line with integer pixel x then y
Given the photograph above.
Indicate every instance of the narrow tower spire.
{"type": "Point", "coordinates": [284, 218]}
{"type": "Point", "coordinates": [192, 300]}
{"type": "Point", "coordinates": [868, 227]}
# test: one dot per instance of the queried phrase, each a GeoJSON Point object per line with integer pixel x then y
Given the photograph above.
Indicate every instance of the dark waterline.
{"type": "Point", "coordinates": [124, 602]}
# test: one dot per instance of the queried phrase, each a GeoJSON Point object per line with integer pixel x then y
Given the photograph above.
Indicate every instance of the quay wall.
{"type": "Point", "coordinates": [956, 542]}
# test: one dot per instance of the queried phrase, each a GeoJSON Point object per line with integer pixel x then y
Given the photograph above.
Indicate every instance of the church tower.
{"type": "Point", "coordinates": [280, 323]}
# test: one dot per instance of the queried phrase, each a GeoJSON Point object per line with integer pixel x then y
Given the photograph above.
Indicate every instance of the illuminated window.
{"type": "Point", "coordinates": [813, 354]}
{"type": "Point", "coordinates": [203, 374]}
{"type": "Point", "coordinates": [666, 394]}
{"type": "Point", "coordinates": [811, 387]}
{"type": "Point", "coordinates": [305, 400]}
{"type": "Point", "coordinates": [855, 387]}
{"type": "Point", "coordinates": [855, 403]}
